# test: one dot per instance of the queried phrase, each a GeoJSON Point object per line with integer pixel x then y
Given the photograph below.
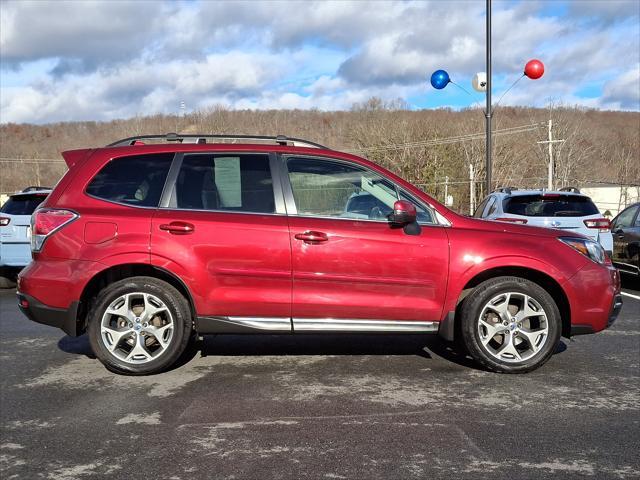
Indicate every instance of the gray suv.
{"type": "Point", "coordinates": [565, 209]}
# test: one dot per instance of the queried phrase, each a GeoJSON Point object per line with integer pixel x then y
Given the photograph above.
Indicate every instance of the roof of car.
{"type": "Point", "coordinates": [32, 191]}
{"type": "Point", "coordinates": [539, 191]}
{"type": "Point", "coordinates": [205, 138]}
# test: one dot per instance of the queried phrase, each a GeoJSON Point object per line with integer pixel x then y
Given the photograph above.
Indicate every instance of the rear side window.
{"type": "Point", "coordinates": [136, 180]}
{"type": "Point", "coordinates": [227, 182]}
{"type": "Point", "coordinates": [22, 204]}
{"type": "Point", "coordinates": [551, 205]}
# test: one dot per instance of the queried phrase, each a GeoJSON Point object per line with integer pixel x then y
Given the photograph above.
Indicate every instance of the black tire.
{"type": "Point", "coordinates": [472, 309]}
{"type": "Point", "coordinates": [6, 282]}
{"type": "Point", "coordinates": [175, 303]}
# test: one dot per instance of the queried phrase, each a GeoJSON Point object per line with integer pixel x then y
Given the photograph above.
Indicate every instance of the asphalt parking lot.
{"type": "Point", "coordinates": [325, 407]}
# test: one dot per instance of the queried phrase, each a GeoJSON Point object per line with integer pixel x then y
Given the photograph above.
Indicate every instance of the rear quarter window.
{"type": "Point", "coordinates": [22, 204]}
{"type": "Point", "coordinates": [552, 205]}
{"type": "Point", "coordinates": [134, 180]}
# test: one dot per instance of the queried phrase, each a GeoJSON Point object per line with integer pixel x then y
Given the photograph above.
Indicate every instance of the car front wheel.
{"type": "Point", "coordinates": [510, 325]}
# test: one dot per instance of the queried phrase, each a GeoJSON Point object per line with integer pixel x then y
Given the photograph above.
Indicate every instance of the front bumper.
{"type": "Point", "coordinates": [63, 318]}
{"type": "Point", "coordinates": [616, 306]}
{"type": "Point", "coordinates": [594, 298]}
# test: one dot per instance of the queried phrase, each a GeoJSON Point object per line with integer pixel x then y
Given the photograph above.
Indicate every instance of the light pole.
{"type": "Point", "coordinates": [488, 112]}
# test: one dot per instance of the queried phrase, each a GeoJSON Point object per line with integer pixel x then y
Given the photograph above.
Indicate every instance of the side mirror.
{"type": "Point", "coordinates": [403, 213]}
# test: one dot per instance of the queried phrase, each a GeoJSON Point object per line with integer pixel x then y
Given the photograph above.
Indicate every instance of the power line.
{"type": "Point", "coordinates": [447, 140]}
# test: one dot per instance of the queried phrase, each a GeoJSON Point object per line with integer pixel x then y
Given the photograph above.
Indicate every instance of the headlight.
{"type": "Point", "coordinates": [588, 248]}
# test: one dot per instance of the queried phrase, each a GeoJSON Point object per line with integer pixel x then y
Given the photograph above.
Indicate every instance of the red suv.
{"type": "Point", "coordinates": [154, 240]}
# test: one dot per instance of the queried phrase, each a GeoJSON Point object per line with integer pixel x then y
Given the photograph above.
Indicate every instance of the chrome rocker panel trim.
{"type": "Point", "coordinates": [361, 325]}
{"type": "Point", "coordinates": [276, 325]}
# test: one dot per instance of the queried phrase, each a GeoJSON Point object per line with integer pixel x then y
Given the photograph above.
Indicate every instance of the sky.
{"type": "Point", "coordinates": [102, 60]}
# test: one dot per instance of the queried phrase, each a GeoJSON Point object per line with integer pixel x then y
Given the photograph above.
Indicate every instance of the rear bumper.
{"type": "Point", "coordinates": [15, 254]}
{"type": "Point", "coordinates": [63, 318]}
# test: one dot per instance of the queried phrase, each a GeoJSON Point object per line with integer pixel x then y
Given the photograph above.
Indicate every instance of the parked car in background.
{"type": "Point", "coordinates": [566, 209]}
{"type": "Point", "coordinates": [147, 246]}
{"type": "Point", "coordinates": [15, 232]}
{"type": "Point", "coordinates": [626, 240]}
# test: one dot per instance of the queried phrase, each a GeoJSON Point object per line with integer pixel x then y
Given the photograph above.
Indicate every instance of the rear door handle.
{"type": "Point", "coordinates": [312, 237]}
{"type": "Point", "coordinates": [178, 228]}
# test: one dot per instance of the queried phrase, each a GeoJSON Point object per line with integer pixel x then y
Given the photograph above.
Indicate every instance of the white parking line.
{"type": "Point", "coordinates": [637, 297]}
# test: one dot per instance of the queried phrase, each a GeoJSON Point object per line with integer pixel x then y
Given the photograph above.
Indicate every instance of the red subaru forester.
{"type": "Point", "coordinates": [153, 240]}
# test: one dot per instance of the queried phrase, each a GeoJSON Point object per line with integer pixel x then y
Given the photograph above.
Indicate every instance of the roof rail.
{"type": "Point", "coordinates": [33, 188]}
{"type": "Point", "coordinates": [506, 190]}
{"type": "Point", "coordinates": [570, 189]}
{"type": "Point", "coordinates": [202, 138]}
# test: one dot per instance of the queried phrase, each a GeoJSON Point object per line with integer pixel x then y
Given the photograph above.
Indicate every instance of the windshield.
{"type": "Point", "coordinates": [550, 205]}
{"type": "Point", "coordinates": [22, 204]}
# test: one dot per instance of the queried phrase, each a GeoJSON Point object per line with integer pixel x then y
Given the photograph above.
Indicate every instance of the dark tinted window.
{"type": "Point", "coordinates": [492, 207]}
{"type": "Point", "coordinates": [625, 218]}
{"type": "Point", "coordinates": [550, 205]}
{"type": "Point", "coordinates": [136, 180]}
{"type": "Point", "coordinates": [22, 204]}
{"type": "Point", "coordinates": [237, 183]}
{"type": "Point", "coordinates": [481, 208]}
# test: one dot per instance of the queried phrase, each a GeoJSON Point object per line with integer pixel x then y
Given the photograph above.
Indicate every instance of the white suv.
{"type": "Point", "coordinates": [565, 209]}
{"type": "Point", "coordinates": [15, 232]}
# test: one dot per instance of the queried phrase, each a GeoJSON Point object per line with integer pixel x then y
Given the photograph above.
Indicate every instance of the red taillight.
{"type": "Point", "coordinates": [521, 221]}
{"type": "Point", "coordinates": [46, 221]}
{"type": "Point", "coordinates": [602, 224]}
{"type": "Point", "coordinates": [4, 221]}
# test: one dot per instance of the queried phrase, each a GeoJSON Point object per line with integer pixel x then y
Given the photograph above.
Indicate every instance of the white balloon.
{"type": "Point", "coordinates": [479, 82]}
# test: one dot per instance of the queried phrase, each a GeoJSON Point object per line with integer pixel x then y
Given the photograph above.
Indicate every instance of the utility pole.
{"type": "Point", "coordinates": [472, 190]}
{"type": "Point", "coordinates": [550, 142]}
{"type": "Point", "coordinates": [446, 189]}
{"type": "Point", "coordinates": [488, 107]}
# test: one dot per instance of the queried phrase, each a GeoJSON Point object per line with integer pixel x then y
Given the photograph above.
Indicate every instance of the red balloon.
{"type": "Point", "coordinates": [534, 69]}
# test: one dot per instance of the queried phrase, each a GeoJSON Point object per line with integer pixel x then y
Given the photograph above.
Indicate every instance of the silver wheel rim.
{"type": "Point", "coordinates": [137, 328]}
{"type": "Point", "coordinates": [513, 327]}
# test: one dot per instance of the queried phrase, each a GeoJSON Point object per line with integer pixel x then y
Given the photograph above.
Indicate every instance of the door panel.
{"type": "Point", "coordinates": [368, 270]}
{"type": "Point", "coordinates": [625, 240]}
{"type": "Point", "coordinates": [348, 262]}
{"type": "Point", "coordinates": [235, 264]}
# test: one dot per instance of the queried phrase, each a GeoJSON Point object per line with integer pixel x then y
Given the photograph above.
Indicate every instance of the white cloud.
{"type": "Point", "coordinates": [624, 90]}
{"type": "Point", "coordinates": [114, 59]}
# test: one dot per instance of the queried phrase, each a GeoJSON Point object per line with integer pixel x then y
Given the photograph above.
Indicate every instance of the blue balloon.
{"type": "Point", "coordinates": [440, 79]}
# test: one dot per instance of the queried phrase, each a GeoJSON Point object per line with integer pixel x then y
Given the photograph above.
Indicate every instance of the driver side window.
{"type": "Point", "coordinates": [326, 188]}
{"type": "Point", "coordinates": [334, 189]}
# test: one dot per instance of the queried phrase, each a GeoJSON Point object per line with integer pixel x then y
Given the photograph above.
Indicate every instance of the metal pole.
{"type": "Point", "coordinates": [488, 112]}
{"type": "Point", "coordinates": [550, 172]}
{"type": "Point", "coordinates": [472, 190]}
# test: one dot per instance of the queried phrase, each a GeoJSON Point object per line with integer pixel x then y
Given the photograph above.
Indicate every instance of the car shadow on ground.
{"type": "Point", "coordinates": [425, 346]}
{"type": "Point", "coordinates": [630, 282]}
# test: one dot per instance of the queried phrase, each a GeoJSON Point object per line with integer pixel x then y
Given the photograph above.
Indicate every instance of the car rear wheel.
{"type": "Point", "coordinates": [6, 282]}
{"type": "Point", "coordinates": [139, 326]}
{"type": "Point", "coordinates": [510, 325]}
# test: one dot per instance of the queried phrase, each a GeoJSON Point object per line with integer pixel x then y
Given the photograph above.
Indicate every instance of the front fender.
{"type": "Point", "coordinates": [475, 266]}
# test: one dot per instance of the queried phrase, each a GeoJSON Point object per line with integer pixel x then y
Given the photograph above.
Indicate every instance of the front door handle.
{"type": "Point", "coordinates": [312, 237]}
{"type": "Point", "coordinates": [178, 228]}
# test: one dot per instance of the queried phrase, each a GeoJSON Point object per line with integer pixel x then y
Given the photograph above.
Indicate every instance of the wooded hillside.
{"type": "Point", "coordinates": [425, 147]}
